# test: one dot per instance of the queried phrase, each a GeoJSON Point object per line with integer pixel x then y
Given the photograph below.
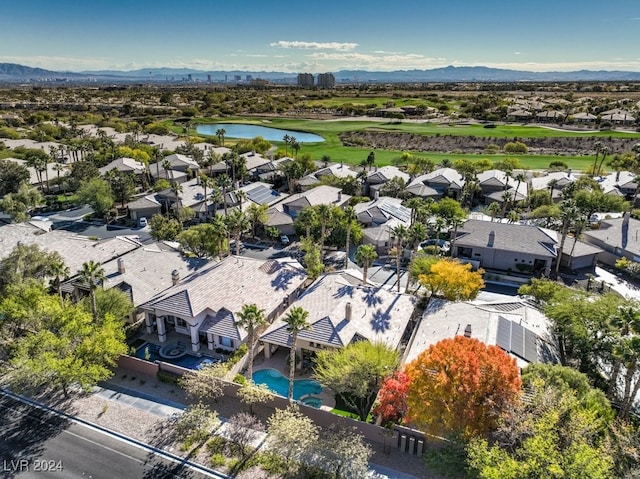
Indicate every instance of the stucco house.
{"type": "Point", "coordinates": [516, 325]}
{"type": "Point", "coordinates": [204, 305]}
{"type": "Point", "coordinates": [342, 311]}
{"type": "Point", "coordinates": [506, 247]}
{"type": "Point", "coordinates": [283, 214]}
{"type": "Point", "coordinates": [617, 237]}
{"type": "Point", "coordinates": [438, 183]}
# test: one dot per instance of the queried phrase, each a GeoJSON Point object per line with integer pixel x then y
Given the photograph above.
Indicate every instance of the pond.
{"type": "Point", "coordinates": [241, 130]}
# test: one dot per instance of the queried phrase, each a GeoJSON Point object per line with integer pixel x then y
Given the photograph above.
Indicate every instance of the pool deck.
{"type": "Point", "coordinates": [278, 361]}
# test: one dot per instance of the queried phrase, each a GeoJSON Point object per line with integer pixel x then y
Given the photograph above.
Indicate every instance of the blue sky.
{"type": "Point", "coordinates": [329, 35]}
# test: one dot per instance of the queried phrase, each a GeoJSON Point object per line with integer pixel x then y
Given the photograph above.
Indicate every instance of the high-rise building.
{"type": "Point", "coordinates": [326, 80]}
{"type": "Point", "coordinates": [305, 79]}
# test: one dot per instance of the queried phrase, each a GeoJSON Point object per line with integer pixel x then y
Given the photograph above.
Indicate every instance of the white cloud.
{"type": "Point", "coordinates": [516, 53]}
{"type": "Point", "coordinates": [315, 45]}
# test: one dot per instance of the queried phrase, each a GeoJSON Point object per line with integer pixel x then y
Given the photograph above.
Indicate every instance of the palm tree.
{"type": "Point", "coordinates": [238, 223]}
{"type": "Point", "coordinates": [60, 272]}
{"type": "Point", "coordinates": [92, 273]}
{"type": "Point", "coordinates": [598, 146]}
{"type": "Point", "coordinates": [348, 218]}
{"type": "Point", "coordinates": [400, 232]}
{"type": "Point", "coordinates": [365, 255]}
{"type": "Point", "coordinates": [251, 318]}
{"type": "Point", "coordinates": [552, 185]}
{"type": "Point", "coordinates": [605, 150]}
{"type": "Point", "coordinates": [220, 132]}
{"type": "Point", "coordinates": [286, 139]}
{"type": "Point", "coordinates": [166, 164]}
{"type": "Point", "coordinates": [520, 177]}
{"type": "Point", "coordinates": [307, 218]}
{"type": "Point", "coordinates": [371, 160]}
{"type": "Point", "coordinates": [296, 321]}
{"type": "Point", "coordinates": [206, 182]}
{"type": "Point", "coordinates": [176, 189]}
{"type": "Point", "coordinates": [569, 213]}
{"type": "Point", "coordinates": [493, 209]}
{"type": "Point", "coordinates": [220, 231]}
{"type": "Point", "coordinates": [325, 213]}
{"type": "Point", "coordinates": [224, 183]}
{"type": "Point", "coordinates": [257, 214]}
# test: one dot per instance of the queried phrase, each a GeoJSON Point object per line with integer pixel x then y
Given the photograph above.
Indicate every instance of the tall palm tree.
{"type": "Point", "coordinates": [60, 272]}
{"type": "Point", "coordinates": [176, 189]}
{"type": "Point", "coordinates": [206, 182]}
{"type": "Point", "coordinates": [493, 209]}
{"type": "Point", "coordinates": [92, 273]}
{"type": "Point", "coordinates": [238, 223]}
{"type": "Point", "coordinates": [220, 132]}
{"type": "Point", "coordinates": [348, 218]}
{"type": "Point", "coordinates": [400, 232]}
{"type": "Point", "coordinates": [598, 147]}
{"type": "Point", "coordinates": [251, 318]}
{"type": "Point", "coordinates": [286, 139]}
{"type": "Point", "coordinates": [166, 164]}
{"type": "Point", "coordinates": [365, 255]}
{"type": "Point", "coordinates": [308, 217]}
{"type": "Point", "coordinates": [604, 151]}
{"type": "Point", "coordinates": [568, 213]}
{"type": "Point", "coordinates": [552, 185]}
{"type": "Point", "coordinates": [224, 183]}
{"type": "Point", "coordinates": [325, 214]}
{"type": "Point", "coordinates": [296, 321]}
{"type": "Point", "coordinates": [221, 232]}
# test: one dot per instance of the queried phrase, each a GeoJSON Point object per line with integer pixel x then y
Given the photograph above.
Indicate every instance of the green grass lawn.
{"type": "Point", "coordinates": [333, 147]}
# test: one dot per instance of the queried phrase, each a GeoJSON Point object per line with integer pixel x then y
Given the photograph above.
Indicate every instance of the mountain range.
{"type": "Point", "coordinates": [14, 73]}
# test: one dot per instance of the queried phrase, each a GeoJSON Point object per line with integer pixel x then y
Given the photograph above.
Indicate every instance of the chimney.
{"type": "Point", "coordinates": [121, 268]}
{"type": "Point", "coordinates": [347, 311]}
{"type": "Point", "coordinates": [339, 196]}
{"type": "Point", "coordinates": [492, 238]}
{"type": "Point", "coordinates": [376, 195]}
{"type": "Point", "coordinates": [175, 277]}
{"type": "Point", "coordinates": [467, 331]}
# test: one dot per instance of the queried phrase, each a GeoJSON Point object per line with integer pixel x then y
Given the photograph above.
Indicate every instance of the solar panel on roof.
{"type": "Point", "coordinates": [504, 334]}
{"type": "Point", "coordinates": [260, 194]}
{"type": "Point", "coordinates": [517, 339]}
{"type": "Point", "coordinates": [530, 346]}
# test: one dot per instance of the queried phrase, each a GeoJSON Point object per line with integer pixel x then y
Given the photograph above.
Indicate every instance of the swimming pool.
{"type": "Point", "coordinates": [279, 384]}
{"type": "Point", "coordinates": [151, 352]}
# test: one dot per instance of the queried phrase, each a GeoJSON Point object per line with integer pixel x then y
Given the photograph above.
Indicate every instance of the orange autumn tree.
{"type": "Point", "coordinates": [392, 398]}
{"type": "Point", "coordinates": [459, 387]}
{"type": "Point", "coordinates": [452, 280]}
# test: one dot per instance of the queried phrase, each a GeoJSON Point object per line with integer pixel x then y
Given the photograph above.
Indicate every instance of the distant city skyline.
{"type": "Point", "coordinates": [317, 37]}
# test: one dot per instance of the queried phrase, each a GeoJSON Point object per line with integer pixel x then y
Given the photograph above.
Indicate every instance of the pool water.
{"type": "Point", "coordinates": [279, 384]}
{"type": "Point", "coordinates": [188, 361]}
{"type": "Point", "coordinates": [242, 130]}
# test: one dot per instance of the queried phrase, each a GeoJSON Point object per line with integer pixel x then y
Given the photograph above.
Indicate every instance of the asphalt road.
{"type": "Point", "coordinates": [39, 444]}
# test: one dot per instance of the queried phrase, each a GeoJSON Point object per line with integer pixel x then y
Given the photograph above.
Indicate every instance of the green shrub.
{"type": "Point", "coordinates": [240, 379]}
{"type": "Point", "coordinates": [238, 354]}
{"type": "Point", "coordinates": [516, 147]}
{"type": "Point", "coordinates": [217, 460]}
{"type": "Point", "coordinates": [216, 445]}
{"type": "Point", "coordinates": [272, 463]}
{"type": "Point", "coordinates": [166, 377]}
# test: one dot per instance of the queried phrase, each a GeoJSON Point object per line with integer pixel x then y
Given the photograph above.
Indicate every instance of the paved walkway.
{"type": "Point", "coordinates": [166, 408]}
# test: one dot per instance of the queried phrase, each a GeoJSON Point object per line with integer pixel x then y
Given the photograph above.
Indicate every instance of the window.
{"type": "Point", "coordinates": [181, 323]}
{"type": "Point", "coordinates": [226, 342]}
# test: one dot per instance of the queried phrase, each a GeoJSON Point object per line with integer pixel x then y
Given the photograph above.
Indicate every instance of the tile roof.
{"type": "Point", "coordinates": [230, 284]}
{"type": "Point", "coordinates": [386, 173]}
{"type": "Point", "coordinates": [147, 270]}
{"type": "Point", "coordinates": [74, 249]}
{"type": "Point", "coordinates": [508, 237]}
{"type": "Point", "coordinates": [445, 319]}
{"type": "Point", "coordinates": [444, 176]}
{"type": "Point", "coordinates": [223, 323]}
{"type": "Point", "coordinates": [377, 314]}
{"type": "Point", "coordinates": [320, 195]}
{"type": "Point", "coordinates": [124, 164]}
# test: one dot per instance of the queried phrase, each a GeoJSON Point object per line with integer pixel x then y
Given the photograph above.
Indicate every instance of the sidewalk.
{"type": "Point", "coordinates": [165, 408]}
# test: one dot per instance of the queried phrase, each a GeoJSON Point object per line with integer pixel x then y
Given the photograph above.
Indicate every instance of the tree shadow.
{"type": "Point", "coordinates": [380, 321]}
{"type": "Point", "coordinates": [24, 431]}
{"type": "Point", "coordinates": [344, 290]}
{"type": "Point", "coordinates": [371, 297]}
